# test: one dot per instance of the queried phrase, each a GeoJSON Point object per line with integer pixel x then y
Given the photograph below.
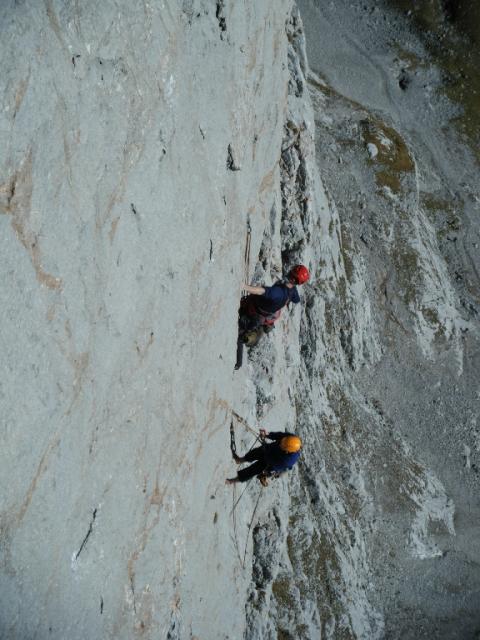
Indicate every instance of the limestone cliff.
{"type": "Point", "coordinates": [380, 538]}
{"type": "Point", "coordinates": [138, 140]}
{"type": "Point", "coordinates": [141, 143]}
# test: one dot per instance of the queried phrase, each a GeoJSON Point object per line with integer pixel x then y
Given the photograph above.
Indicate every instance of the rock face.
{"type": "Point", "coordinates": [381, 539]}
{"type": "Point", "coordinates": [140, 145]}
{"type": "Point", "coordinates": [137, 142]}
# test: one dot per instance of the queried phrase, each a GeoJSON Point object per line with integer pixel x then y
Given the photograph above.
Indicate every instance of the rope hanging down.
{"type": "Point", "coordinates": [245, 423]}
{"type": "Point", "coordinates": [236, 500]}
{"type": "Point", "coordinates": [232, 512]}
{"type": "Point", "coordinates": [250, 525]}
{"type": "Point", "coordinates": [235, 538]}
{"type": "Point", "coordinates": [233, 449]}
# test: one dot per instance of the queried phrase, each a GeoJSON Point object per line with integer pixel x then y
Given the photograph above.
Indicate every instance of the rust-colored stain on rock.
{"type": "Point", "coordinates": [17, 200]}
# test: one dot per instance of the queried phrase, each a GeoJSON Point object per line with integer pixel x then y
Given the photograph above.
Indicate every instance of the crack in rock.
{"type": "Point", "coordinates": [231, 164]}
{"type": "Point", "coordinates": [220, 15]}
{"type": "Point", "coordinates": [90, 529]}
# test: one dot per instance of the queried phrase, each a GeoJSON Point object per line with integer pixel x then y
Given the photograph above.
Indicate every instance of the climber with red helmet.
{"type": "Point", "coordinates": [262, 307]}
{"type": "Point", "coordinates": [269, 460]}
{"type": "Point", "coordinates": [267, 301]}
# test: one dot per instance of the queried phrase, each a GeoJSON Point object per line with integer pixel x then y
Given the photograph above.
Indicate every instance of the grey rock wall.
{"type": "Point", "coordinates": [381, 536]}
{"type": "Point", "coordinates": [137, 140]}
{"type": "Point", "coordinates": [140, 144]}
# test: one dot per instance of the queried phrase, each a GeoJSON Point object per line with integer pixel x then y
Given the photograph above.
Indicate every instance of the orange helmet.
{"type": "Point", "coordinates": [290, 444]}
{"type": "Point", "coordinates": [299, 274]}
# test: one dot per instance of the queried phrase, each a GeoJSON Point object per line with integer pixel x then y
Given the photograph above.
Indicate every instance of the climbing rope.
{"type": "Point", "coordinates": [235, 538]}
{"type": "Point", "coordinates": [236, 500]}
{"type": "Point", "coordinates": [233, 449]}
{"type": "Point", "coordinates": [245, 423]}
{"type": "Point", "coordinates": [232, 512]}
{"type": "Point", "coordinates": [250, 526]}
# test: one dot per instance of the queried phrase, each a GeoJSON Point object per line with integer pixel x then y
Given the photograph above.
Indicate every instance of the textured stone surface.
{"type": "Point", "coordinates": [382, 535]}
{"type": "Point", "coordinates": [122, 239]}
{"type": "Point", "coordinates": [139, 143]}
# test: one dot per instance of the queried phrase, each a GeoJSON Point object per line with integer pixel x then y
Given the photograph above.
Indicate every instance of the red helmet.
{"type": "Point", "coordinates": [299, 274]}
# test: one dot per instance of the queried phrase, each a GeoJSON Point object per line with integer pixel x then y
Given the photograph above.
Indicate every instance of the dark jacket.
{"type": "Point", "coordinates": [277, 459]}
{"type": "Point", "coordinates": [275, 298]}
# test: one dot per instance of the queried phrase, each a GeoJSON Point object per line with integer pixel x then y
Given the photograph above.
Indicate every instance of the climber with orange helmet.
{"type": "Point", "coordinates": [269, 460]}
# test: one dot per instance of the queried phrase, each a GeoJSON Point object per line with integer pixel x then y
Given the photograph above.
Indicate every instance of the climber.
{"type": "Point", "coordinates": [270, 460]}
{"type": "Point", "coordinates": [262, 307]}
{"type": "Point", "coordinates": [263, 304]}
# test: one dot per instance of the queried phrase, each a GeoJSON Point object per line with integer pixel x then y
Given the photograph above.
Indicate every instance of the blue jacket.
{"type": "Point", "coordinates": [276, 297]}
{"type": "Point", "coordinates": [277, 459]}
